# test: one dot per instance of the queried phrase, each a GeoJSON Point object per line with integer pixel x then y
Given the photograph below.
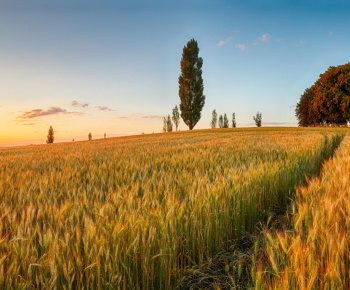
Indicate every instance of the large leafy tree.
{"type": "Point", "coordinates": [328, 100]}
{"type": "Point", "coordinates": [191, 85]}
{"type": "Point", "coordinates": [306, 116]}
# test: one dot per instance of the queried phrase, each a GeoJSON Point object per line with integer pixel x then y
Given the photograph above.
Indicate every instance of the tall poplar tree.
{"type": "Point", "coordinates": [214, 119]}
{"type": "Point", "coordinates": [191, 85]}
{"type": "Point", "coordinates": [50, 136]}
{"type": "Point", "coordinates": [176, 117]}
{"type": "Point", "coordinates": [233, 120]}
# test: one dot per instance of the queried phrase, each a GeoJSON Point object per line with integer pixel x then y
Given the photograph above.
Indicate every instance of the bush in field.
{"type": "Point", "coordinates": [191, 85]}
{"type": "Point", "coordinates": [90, 136]}
{"type": "Point", "coordinates": [225, 121]}
{"type": "Point", "coordinates": [50, 136]}
{"type": "Point", "coordinates": [233, 120]}
{"type": "Point", "coordinates": [169, 124]}
{"type": "Point", "coordinates": [258, 118]}
{"type": "Point", "coordinates": [214, 120]}
{"type": "Point", "coordinates": [176, 117]}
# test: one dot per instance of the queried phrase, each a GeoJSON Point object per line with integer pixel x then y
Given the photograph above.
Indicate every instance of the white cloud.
{"type": "Point", "coordinates": [241, 46]}
{"type": "Point", "coordinates": [265, 37]}
{"type": "Point", "coordinates": [221, 43]}
{"type": "Point", "coordinates": [330, 33]}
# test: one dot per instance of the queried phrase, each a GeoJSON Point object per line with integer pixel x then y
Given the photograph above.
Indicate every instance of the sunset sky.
{"type": "Point", "coordinates": [113, 66]}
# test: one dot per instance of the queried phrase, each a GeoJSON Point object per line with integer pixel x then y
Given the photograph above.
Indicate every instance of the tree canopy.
{"type": "Point", "coordinates": [191, 85]}
{"type": "Point", "coordinates": [327, 101]}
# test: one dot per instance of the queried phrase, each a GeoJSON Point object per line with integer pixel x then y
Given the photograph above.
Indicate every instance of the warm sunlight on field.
{"type": "Point", "coordinates": [314, 253]}
{"type": "Point", "coordinates": [135, 211]}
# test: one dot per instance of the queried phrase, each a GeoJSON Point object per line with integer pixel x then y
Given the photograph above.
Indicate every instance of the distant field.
{"type": "Point", "coordinates": [135, 211]}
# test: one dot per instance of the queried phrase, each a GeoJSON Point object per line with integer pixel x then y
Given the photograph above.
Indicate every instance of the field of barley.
{"type": "Point", "coordinates": [133, 212]}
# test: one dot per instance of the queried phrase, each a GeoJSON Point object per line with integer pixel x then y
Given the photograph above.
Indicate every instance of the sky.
{"type": "Point", "coordinates": [112, 66]}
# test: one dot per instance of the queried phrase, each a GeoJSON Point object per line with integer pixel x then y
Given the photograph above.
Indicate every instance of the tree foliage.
{"type": "Point", "coordinates": [221, 122]}
{"type": "Point", "coordinates": [90, 136]}
{"type": "Point", "coordinates": [303, 111]}
{"type": "Point", "coordinates": [327, 102]}
{"type": "Point", "coordinates": [214, 120]}
{"type": "Point", "coordinates": [50, 136]}
{"type": "Point", "coordinates": [169, 124]}
{"type": "Point", "coordinates": [258, 118]}
{"type": "Point", "coordinates": [234, 120]}
{"type": "Point", "coordinates": [176, 117]}
{"type": "Point", "coordinates": [225, 125]}
{"type": "Point", "coordinates": [191, 85]}
{"type": "Point", "coordinates": [164, 125]}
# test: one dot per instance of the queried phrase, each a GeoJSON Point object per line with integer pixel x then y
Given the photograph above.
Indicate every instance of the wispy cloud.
{"type": "Point", "coordinates": [292, 106]}
{"type": "Point", "coordinates": [223, 42]}
{"type": "Point", "coordinates": [241, 46]}
{"type": "Point", "coordinates": [263, 38]}
{"type": "Point", "coordinates": [300, 43]}
{"type": "Point", "coordinates": [104, 108]}
{"type": "Point", "coordinates": [122, 117]}
{"type": "Point", "coordinates": [78, 104]}
{"type": "Point", "coordinates": [40, 113]}
{"type": "Point", "coordinates": [2, 106]}
{"type": "Point", "coordinates": [330, 33]}
{"type": "Point", "coordinates": [28, 124]}
{"type": "Point", "coordinates": [151, 117]}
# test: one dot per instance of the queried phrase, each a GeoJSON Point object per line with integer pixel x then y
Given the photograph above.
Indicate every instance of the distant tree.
{"type": "Point", "coordinates": [90, 136]}
{"type": "Point", "coordinates": [191, 85]}
{"type": "Point", "coordinates": [176, 117]}
{"type": "Point", "coordinates": [221, 122]}
{"type": "Point", "coordinates": [105, 135]}
{"type": "Point", "coordinates": [169, 124]}
{"type": "Point", "coordinates": [73, 139]}
{"type": "Point", "coordinates": [214, 120]}
{"type": "Point", "coordinates": [164, 125]}
{"type": "Point", "coordinates": [50, 136]}
{"type": "Point", "coordinates": [233, 120]}
{"type": "Point", "coordinates": [327, 102]}
{"type": "Point", "coordinates": [225, 121]}
{"type": "Point", "coordinates": [258, 119]}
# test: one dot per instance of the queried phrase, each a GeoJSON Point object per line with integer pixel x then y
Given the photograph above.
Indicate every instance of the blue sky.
{"type": "Point", "coordinates": [113, 66]}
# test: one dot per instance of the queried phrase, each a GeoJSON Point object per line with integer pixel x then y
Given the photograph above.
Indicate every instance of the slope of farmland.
{"type": "Point", "coordinates": [134, 211]}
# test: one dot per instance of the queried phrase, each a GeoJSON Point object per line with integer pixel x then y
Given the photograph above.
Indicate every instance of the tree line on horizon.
{"type": "Point", "coordinates": [191, 95]}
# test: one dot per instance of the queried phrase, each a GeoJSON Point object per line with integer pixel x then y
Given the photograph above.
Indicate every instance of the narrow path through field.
{"type": "Point", "coordinates": [238, 266]}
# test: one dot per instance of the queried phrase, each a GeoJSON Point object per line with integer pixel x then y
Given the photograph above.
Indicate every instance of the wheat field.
{"type": "Point", "coordinates": [133, 212]}
{"type": "Point", "coordinates": [314, 252]}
